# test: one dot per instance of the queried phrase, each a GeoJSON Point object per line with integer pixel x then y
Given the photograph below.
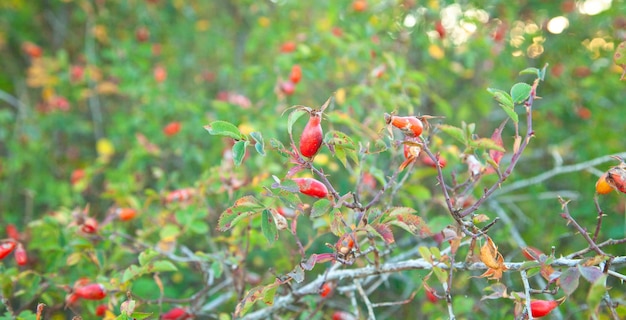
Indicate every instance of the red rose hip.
{"type": "Point", "coordinates": [311, 138]}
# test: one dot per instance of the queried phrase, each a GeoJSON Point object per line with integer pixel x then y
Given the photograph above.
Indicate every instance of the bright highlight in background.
{"type": "Point", "coordinates": [556, 25]}
{"type": "Point", "coordinates": [593, 7]}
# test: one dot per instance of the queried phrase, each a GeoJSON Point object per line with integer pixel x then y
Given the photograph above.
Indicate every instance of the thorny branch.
{"type": "Point", "coordinates": [394, 267]}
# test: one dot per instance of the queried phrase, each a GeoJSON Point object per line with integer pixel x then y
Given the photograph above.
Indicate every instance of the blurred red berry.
{"type": "Point", "coordinates": [176, 314]}
{"type": "Point", "coordinates": [6, 248]}
{"type": "Point", "coordinates": [172, 128]}
{"type": "Point", "coordinates": [359, 5]}
{"type": "Point", "coordinates": [441, 31]}
{"type": "Point", "coordinates": [12, 232]}
{"type": "Point", "coordinates": [32, 50]}
{"type": "Point", "coordinates": [287, 87]}
{"type": "Point", "coordinates": [160, 74]}
{"type": "Point", "coordinates": [76, 73]}
{"type": "Point", "coordinates": [101, 310]}
{"type": "Point", "coordinates": [90, 225]}
{"type": "Point", "coordinates": [20, 255]}
{"type": "Point", "coordinates": [77, 175]}
{"type": "Point", "coordinates": [288, 47]}
{"type": "Point", "coordinates": [94, 291]}
{"type": "Point", "coordinates": [327, 288]}
{"type": "Point", "coordinates": [296, 74]}
{"type": "Point", "coordinates": [180, 195]}
{"type": "Point", "coordinates": [126, 214]}
{"type": "Point", "coordinates": [142, 34]}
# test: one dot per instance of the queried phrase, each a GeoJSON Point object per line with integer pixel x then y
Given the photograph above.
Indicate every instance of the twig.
{"type": "Point", "coordinates": [609, 242]}
{"type": "Point", "coordinates": [395, 303]}
{"type": "Point", "coordinates": [600, 215]}
{"type": "Point", "coordinates": [366, 300]}
{"type": "Point", "coordinates": [527, 292]}
{"type": "Point", "coordinates": [566, 215]}
{"type": "Point", "coordinates": [538, 179]}
{"type": "Point", "coordinates": [11, 100]}
{"type": "Point", "coordinates": [413, 264]}
{"type": "Point", "coordinates": [448, 287]}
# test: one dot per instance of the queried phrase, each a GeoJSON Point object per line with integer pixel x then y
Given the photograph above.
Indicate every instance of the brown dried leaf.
{"type": "Point", "coordinates": [494, 261]}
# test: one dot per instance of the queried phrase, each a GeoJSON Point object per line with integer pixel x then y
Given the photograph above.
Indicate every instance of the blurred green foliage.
{"type": "Point", "coordinates": [92, 85]}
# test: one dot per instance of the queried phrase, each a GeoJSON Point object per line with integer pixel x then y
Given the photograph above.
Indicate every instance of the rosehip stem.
{"type": "Point", "coordinates": [583, 232]}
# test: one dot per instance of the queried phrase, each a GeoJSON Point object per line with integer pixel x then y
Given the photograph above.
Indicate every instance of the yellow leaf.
{"type": "Point", "coordinates": [203, 25]}
{"type": "Point", "coordinates": [105, 149]}
{"type": "Point", "coordinates": [436, 52]}
{"type": "Point", "coordinates": [264, 22]}
{"type": "Point", "coordinates": [340, 96]}
{"type": "Point", "coordinates": [108, 315]}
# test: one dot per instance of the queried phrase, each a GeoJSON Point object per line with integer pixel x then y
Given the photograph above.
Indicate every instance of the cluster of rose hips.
{"type": "Point", "coordinates": [13, 244]}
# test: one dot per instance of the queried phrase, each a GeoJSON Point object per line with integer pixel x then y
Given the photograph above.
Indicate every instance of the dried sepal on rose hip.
{"type": "Point", "coordinates": [312, 135]}
{"type": "Point", "coordinates": [616, 176]}
{"type": "Point", "coordinates": [311, 187]}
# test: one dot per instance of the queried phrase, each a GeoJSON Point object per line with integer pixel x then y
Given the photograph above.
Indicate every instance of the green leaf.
{"type": "Point", "coordinates": [441, 274]}
{"type": "Point", "coordinates": [339, 138]}
{"type": "Point", "coordinates": [263, 293]}
{"type": "Point", "coordinates": [511, 113]}
{"type": "Point", "coordinates": [224, 129]}
{"type": "Point", "coordinates": [520, 92]}
{"type": "Point", "coordinates": [320, 207]}
{"type": "Point", "coordinates": [594, 297]}
{"type": "Point", "coordinates": [425, 253]}
{"type": "Point", "coordinates": [506, 102]}
{"type": "Point", "coordinates": [169, 231]}
{"type": "Point", "coordinates": [160, 266]}
{"type": "Point", "coordinates": [244, 207]}
{"type": "Point", "coordinates": [217, 268]}
{"type": "Point", "coordinates": [259, 145]}
{"type": "Point", "coordinates": [532, 272]}
{"type": "Point", "coordinates": [455, 132]}
{"type": "Point", "coordinates": [486, 143]}
{"type": "Point", "coordinates": [147, 256]}
{"type": "Point", "coordinates": [135, 271]}
{"type": "Point", "coordinates": [268, 226]}
{"type": "Point", "coordinates": [293, 117]}
{"type": "Point", "coordinates": [502, 97]}
{"type": "Point", "coordinates": [278, 146]}
{"type": "Point", "coordinates": [336, 224]}
{"type": "Point", "coordinates": [199, 227]}
{"type": "Point", "coordinates": [239, 151]}
{"type": "Point", "coordinates": [140, 315]}
{"type": "Point", "coordinates": [405, 218]}
{"type": "Point", "coordinates": [533, 71]}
